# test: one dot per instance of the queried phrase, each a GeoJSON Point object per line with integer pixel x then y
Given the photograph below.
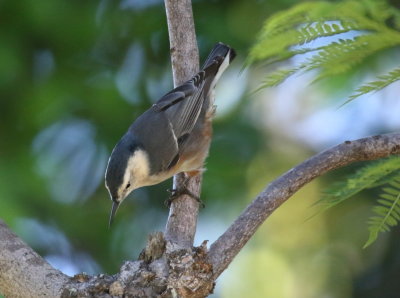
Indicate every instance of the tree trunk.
{"type": "Point", "coordinates": [182, 219]}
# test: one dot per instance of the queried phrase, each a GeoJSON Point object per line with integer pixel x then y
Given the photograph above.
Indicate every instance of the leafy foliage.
{"type": "Point", "coordinates": [372, 175]}
{"type": "Point", "coordinates": [383, 81]}
{"type": "Point", "coordinates": [348, 33]}
{"type": "Point", "coordinates": [293, 32]}
{"type": "Point", "coordinates": [387, 212]}
{"type": "Point", "coordinates": [375, 174]}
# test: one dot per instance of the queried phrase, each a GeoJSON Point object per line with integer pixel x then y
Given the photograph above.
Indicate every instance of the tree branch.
{"type": "Point", "coordinates": [163, 271]}
{"type": "Point", "coordinates": [182, 39]}
{"type": "Point", "coordinates": [23, 273]}
{"type": "Point", "coordinates": [182, 220]}
{"type": "Point", "coordinates": [181, 273]}
{"type": "Point", "coordinates": [226, 247]}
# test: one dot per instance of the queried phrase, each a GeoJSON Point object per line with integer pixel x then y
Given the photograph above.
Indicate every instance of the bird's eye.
{"type": "Point", "coordinates": [128, 185]}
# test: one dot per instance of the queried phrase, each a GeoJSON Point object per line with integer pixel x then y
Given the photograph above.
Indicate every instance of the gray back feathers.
{"type": "Point", "coordinates": [165, 127]}
{"type": "Point", "coordinates": [163, 130]}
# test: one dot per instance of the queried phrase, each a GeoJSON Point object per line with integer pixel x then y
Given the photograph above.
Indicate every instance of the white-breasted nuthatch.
{"type": "Point", "coordinates": [172, 136]}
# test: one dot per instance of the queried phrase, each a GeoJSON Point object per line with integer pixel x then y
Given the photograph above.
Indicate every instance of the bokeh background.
{"type": "Point", "coordinates": [74, 75]}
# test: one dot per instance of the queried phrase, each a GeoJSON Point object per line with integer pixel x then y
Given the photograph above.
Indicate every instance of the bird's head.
{"type": "Point", "coordinates": [127, 169]}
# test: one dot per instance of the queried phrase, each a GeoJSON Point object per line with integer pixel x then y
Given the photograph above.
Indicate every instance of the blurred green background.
{"type": "Point", "coordinates": [73, 76]}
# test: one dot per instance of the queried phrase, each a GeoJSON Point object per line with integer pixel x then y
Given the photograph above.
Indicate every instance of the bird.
{"type": "Point", "coordinates": [171, 137]}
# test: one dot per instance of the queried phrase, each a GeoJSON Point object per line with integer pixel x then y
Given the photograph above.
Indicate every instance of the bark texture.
{"type": "Point", "coordinates": [182, 220]}
{"type": "Point", "coordinates": [159, 272]}
{"type": "Point", "coordinates": [23, 273]}
{"type": "Point", "coordinates": [182, 40]}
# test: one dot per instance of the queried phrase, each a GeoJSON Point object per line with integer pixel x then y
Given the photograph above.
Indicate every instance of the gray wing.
{"type": "Point", "coordinates": [166, 125]}
{"type": "Point", "coordinates": [158, 140]}
{"type": "Point", "coordinates": [182, 106]}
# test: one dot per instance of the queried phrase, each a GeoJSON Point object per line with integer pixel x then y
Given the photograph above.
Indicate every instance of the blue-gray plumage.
{"type": "Point", "coordinates": [172, 136]}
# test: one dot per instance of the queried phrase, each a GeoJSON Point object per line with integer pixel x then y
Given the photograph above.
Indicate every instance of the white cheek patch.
{"type": "Point", "coordinates": [137, 171]}
{"type": "Point", "coordinates": [140, 166]}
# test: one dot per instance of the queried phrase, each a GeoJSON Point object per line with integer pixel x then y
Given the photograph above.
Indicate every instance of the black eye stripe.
{"type": "Point", "coordinates": [128, 185]}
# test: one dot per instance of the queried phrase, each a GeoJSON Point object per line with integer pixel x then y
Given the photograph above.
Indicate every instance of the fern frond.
{"type": "Point", "coordinates": [273, 48]}
{"type": "Point", "coordinates": [308, 21]}
{"type": "Point", "coordinates": [291, 33]}
{"type": "Point", "coordinates": [276, 78]}
{"type": "Point", "coordinates": [379, 9]}
{"type": "Point", "coordinates": [343, 55]}
{"type": "Point", "coordinates": [395, 175]}
{"type": "Point", "coordinates": [374, 86]}
{"type": "Point", "coordinates": [364, 178]}
{"type": "Point", "coordinates": [387, 213]}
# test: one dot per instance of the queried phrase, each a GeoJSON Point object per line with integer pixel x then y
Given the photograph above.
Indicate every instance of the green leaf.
{"type": "Point", "coordinates": [291, 32]}
{"type": "Point", "coordinates": [374, 86]}
{"type": "Point", "coordinates": [388, 214]}
{"type": "Point", "coordinates": [373, 174]}
{"type": "Point", "coordinates": [277, 77]}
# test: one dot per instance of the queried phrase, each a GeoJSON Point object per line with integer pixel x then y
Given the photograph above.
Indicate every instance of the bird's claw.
{"type": "Point", "coordinates": [176, 193]}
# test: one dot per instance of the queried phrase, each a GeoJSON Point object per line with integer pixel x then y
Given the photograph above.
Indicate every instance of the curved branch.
{"type": "Point", "coordinates": [23, 273]}
{"type": "Point", "coordinates": [226, 247]}
{"type": "Point", "coordinates": [182, 220]}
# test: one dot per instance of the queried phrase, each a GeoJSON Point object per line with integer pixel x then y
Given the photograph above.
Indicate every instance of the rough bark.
{"type": "Point", "coordinates": [159, 272]}
{"type": "Point", "coordinates": [182, 220]}
{"type": "Point", "coordinates": [182, 39]}
{"type": "Point", "coordinates": [23, 273]}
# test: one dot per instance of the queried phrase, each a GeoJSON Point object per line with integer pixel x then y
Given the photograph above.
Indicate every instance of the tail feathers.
{"type": "Point", "coordinates": [219, 50]}
{"type": "Point", "coordinates": [218, 60]}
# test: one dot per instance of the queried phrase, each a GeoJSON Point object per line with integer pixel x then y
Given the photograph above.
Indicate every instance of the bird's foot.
{"type": "Point", "coordinates": [176, 193]}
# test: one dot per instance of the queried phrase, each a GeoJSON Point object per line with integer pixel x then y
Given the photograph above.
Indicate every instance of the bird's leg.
{"type": "Point", "coordinates": [176, 193]}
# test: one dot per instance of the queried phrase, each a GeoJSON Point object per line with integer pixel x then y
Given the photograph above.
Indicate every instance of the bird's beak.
{"type": "Point", "coordinates": [114, 209]}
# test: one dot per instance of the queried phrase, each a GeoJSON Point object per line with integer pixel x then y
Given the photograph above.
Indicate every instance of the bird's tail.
{"type": "Point", "coordinates": [216, 63]}
{"type": "Point", "coordinates": [220, 50]}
